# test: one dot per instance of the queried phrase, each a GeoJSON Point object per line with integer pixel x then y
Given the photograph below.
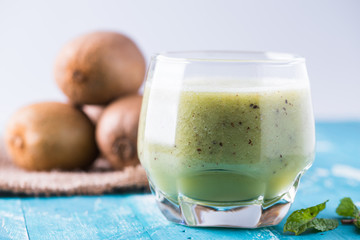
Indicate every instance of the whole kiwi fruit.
{"type": "Point", "coordinates": [116, 131]}
{"type": "Point", "coordinates": [99, 67]}
{"type": "Point", "coordinates": [51, 135]}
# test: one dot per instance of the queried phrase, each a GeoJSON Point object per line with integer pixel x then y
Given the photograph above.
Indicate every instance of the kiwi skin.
{"type": "Point", "coordinates": [50, 135]}
{"type": "Point", "coordinates": [99, 67]}
{"type": "Point", "coordinates": [117, 130]}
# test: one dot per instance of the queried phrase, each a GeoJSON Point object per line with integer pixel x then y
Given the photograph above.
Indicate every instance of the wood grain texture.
{"type": "Point", "coordinates": [12, 221]}
{"type": "Point", "coordinates": [135, 216]}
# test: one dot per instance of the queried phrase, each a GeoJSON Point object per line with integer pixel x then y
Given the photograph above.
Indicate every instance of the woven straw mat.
{"type": "Point", "coordinates": [98, 180]}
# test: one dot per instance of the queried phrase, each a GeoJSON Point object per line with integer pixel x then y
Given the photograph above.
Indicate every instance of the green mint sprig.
{"type": "Point", "coordinates": [301, 220]}
{"type": "Point", "coordinates": [347, 208]}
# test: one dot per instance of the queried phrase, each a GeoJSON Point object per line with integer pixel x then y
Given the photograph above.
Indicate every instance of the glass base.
{"type": "Point", "coordinates": [250, 214]}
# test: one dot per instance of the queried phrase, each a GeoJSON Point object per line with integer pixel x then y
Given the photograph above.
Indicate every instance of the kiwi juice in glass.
{"type": "Point", "coordinates": [226, 136]}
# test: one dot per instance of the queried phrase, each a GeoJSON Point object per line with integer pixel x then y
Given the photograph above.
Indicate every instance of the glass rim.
{"type": "Point", "coordinates": [259, 57]}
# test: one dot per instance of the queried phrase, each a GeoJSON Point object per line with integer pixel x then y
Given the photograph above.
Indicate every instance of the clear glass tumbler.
{"type": "Point", "coordinates": [226, 136]}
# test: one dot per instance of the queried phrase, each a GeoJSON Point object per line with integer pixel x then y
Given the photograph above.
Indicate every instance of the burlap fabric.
{"type": "Point", "coordinates": [97, 180]}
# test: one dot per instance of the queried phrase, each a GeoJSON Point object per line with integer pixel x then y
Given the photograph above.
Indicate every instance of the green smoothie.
{"type": "Point", "coordinates": [228, 145]}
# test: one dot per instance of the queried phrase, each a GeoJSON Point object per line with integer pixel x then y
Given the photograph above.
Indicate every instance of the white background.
{"type": "Point", "coordinates": [326, 33]}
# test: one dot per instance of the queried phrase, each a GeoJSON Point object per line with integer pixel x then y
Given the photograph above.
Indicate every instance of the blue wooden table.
{"type": "Point", "coordinates": [335, 174]}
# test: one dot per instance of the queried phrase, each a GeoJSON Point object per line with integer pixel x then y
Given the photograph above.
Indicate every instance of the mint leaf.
{"type": "Point", "coordinates": [347, 208]}
{"type": "Point", "coordinates": [301, 220]}
{"type": "Point", "coordinates": [324, 224]}
{"type": "Point", "coordinates": [357, 222]}
{"type": "Point", "coordinates": [303, 216]}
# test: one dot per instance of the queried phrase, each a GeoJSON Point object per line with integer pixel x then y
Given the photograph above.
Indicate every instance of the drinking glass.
{"type": "Point", "coordinates": [226, 136]}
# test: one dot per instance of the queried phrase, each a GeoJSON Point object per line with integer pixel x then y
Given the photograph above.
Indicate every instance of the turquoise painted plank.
{"type": "Point", "coordinates": [12, 221]}
{"type": "Point", "coordinates": [108, 217]}
{"type": "Point", "coordinates": [135, 216]}
{"type": "Point", "coordinates": [159, 228]}
{"type": "Point", "coordinates": [338, 144]}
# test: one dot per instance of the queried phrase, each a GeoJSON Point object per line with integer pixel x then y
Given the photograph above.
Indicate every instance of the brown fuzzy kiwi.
{"type": "Point", "coordinates": [51, 135]}
{"type": "Point", "coordinates": [116, 131]}
{"type": "Point", "coordinates": [99, 67]}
